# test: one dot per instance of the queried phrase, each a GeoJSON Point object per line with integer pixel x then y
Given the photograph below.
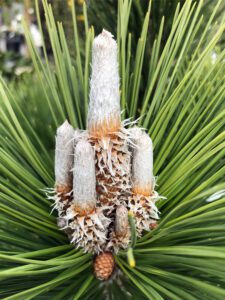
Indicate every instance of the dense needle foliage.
{"type": "Point", "coordinates": [182, 106]}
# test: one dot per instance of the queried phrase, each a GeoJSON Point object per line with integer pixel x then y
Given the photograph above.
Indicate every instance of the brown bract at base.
{"type": "Point", "coordinates": [64, 191]}
{"type": "Point", "coordinates": [105, 128]}
{"type": "Point", "coordinates": [145, 191]}
{"type": "Point", "coordinates": [153, 226]}
{"type": "Point", "coordinates": [83, 211]}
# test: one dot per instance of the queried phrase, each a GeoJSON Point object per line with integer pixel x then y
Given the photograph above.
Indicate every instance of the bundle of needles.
{"type": "Point", "coordinates": [104, 172]}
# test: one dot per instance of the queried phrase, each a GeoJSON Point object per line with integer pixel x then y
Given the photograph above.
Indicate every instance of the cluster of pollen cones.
{"type": "Point", "coordinates": [105, 171]}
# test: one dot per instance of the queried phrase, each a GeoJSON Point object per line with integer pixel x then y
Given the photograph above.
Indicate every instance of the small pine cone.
{"type": "Point", "coordinates": [104, 265]}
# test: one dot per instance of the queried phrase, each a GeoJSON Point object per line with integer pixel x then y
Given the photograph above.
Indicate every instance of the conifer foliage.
{"type": "Point", "coordinates": [182, 109]}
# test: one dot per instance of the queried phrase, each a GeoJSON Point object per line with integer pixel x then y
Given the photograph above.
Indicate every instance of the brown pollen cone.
{"type": "Point", "coordinates": [104, 265]}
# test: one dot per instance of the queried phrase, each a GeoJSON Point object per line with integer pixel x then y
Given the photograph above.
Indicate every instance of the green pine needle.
{"type": "Point", "coordinates": [179, 93]}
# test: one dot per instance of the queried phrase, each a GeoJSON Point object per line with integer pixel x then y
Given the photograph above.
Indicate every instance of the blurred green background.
{"type": "Point", "coordinates": [101, 14]}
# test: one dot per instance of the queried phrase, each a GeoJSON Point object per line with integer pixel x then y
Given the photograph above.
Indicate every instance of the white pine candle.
{"type": "Point", "coordinates": [64, 157]}
{"type": "Point", "coordinates": [84, 181]}
{"type": "Point", "coordinates": [104, 105]}
{"type": "Point", "coordinates": [142, 164]}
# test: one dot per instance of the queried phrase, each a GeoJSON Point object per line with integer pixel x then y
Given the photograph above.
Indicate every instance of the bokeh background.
{"type": "Point", "coordinates": [14, 56]}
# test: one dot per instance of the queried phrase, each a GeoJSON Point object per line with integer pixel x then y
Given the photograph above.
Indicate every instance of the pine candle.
{"type": "Point", "coordinates": [105, 171]}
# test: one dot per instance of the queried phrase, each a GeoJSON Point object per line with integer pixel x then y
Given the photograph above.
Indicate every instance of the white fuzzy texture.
{"type": "Point", "coordinates": [104, 85]}
{"type": "Point", "coordinates": [64, 154]}
{"type": "Point", "coordinates": [84, 181]}
{"type": "Point", "coordinates": [121, 222]}
{"type": "Point", "coordinates": [76, 137]}
{"type": "Point", "coordinates": [142, 164]}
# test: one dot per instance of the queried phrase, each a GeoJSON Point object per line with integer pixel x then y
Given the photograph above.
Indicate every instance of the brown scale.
{"type": "Point", "coordinates": [104, 265]}
{"type": "Point", "coordinates": [112, 187]}
{"type": "Point", "coordinates": [66, 196]}
{"type": "Point", "coordinates": [64, 192]}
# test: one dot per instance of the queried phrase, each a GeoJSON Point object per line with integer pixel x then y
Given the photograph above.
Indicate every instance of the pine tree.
{"type": "Point", "coordinates": [182, 108]}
